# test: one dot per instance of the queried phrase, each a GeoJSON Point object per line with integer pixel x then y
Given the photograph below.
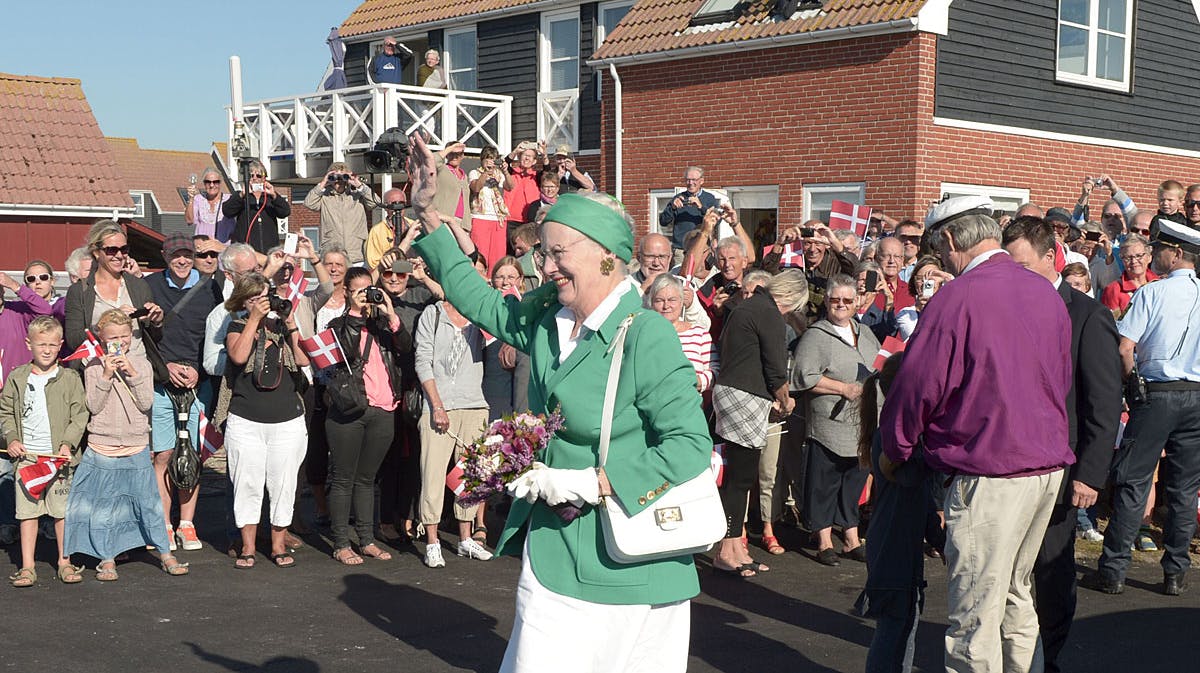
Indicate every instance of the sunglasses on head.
{"type": "Point", "coordinates": [114, 250]}
{"type": "Point", "coordinates": [33, 278]}
{"type": "Point", "coordinates": [211, 254]}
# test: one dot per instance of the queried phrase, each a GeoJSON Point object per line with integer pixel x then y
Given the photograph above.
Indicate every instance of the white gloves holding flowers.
{"type": "Point", "coordinates": [557, 486]}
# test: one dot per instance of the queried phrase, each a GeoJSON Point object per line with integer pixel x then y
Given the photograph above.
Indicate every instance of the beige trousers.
{"type": "Point", "coordinates": [772, 487]}
{"type": "Point", "coordinates": [436, 451]}
{"type": "Point", "coordinates": [994, 529]}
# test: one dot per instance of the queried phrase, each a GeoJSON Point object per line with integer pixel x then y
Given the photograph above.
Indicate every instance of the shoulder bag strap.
{"type": "Point", "coordinates": [617, 350]}
{"type": "Point", "coordinates": [191, 294]}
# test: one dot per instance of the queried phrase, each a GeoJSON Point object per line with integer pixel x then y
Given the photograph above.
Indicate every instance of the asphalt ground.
{"type": "Point", "coordinates": [400, 616]}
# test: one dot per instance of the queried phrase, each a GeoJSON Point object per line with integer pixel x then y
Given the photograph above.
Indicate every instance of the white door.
{"type": "Point", "coordinates": [558, 80]}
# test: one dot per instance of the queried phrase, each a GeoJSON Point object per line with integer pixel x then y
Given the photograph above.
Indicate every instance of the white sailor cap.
{"type": "Point", "coordinates": [1177, 236]}
{"type": "Point", "coordinates": [951, 209]}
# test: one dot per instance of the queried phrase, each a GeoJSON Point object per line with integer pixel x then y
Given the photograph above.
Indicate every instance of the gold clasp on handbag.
{"type": "Point", "coordinates": [668, 517]}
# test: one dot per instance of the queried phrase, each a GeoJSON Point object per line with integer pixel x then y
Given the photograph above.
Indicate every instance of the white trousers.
{"type": "Point", "coordinates": [994, 529]}
{"type": "Point", "coordinates": [264, 454]}
{"type": "Point", "coordinates": [553, 633]}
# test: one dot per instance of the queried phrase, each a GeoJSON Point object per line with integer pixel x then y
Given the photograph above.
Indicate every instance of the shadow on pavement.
{"type": "Point", "coordinates": [423, 620]}
{"type": "Point", "coordinates": [1154, 639]}
{"type": "Point", "coordinates": [274, 665]}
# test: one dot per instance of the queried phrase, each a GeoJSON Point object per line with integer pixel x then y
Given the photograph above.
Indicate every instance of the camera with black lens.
{"type": "Point", "coordinates": [279, 305]}
{"type": "Point", "coordinates": [374, 295]}
{"type": "Point", "coordinates": [731, 288]}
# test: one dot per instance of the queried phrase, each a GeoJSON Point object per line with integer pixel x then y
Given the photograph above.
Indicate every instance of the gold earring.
{"type": "Point", "coordinates": [607, 265]}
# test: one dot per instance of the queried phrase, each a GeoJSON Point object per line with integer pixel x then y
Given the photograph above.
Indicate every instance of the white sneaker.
{"type": "Point", "coordinates": [1092, 535]}
{"type": "Point", "coordinates": [472, 549]}
{"type": "Point", "coordinates": [433, 556]}
{"type": "Point", "coordinates": [187, 538]}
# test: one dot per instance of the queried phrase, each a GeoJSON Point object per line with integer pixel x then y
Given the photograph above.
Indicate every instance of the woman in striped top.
{"type": "Point", "coordinates": [665, 296]}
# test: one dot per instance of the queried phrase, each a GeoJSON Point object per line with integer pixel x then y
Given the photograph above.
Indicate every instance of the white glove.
{"type": "Point", "coordinates": [527, 486]}
{"type": "Point", "coordinates": [574, 486]}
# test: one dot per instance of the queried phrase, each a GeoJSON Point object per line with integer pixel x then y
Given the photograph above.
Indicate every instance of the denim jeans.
{"type": "Point", "coordinates": [8, 496]}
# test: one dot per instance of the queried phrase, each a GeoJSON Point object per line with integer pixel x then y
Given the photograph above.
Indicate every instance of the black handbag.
{"type": "Point", "coordinates": [184, 466]}
{"type": "Point", "coordinates": [345, 391]}
{"type": "Point", "coordinates": [411, 405]}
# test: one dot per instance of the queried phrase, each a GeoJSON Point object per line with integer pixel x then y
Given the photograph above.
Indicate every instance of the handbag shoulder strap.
{"type": "Point", "coordinates": [617, 350]}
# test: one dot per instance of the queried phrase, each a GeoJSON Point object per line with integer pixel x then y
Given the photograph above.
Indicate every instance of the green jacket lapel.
{"type": "Point", "coordinates": [596, 343]}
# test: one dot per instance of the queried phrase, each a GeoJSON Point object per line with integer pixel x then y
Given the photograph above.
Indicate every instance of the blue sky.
{"type": "Point", "coordinates": [159, 71]}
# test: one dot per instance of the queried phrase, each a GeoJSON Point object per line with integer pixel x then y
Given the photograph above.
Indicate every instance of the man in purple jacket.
{"type": "Point", "coordinates": [983, 389]}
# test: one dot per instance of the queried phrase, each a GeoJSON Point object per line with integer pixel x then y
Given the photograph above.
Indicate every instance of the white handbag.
{"type": "Point", "coordinates": [685, 519]}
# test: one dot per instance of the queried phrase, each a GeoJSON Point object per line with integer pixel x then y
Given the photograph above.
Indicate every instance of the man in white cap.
{"type": "Point", "coordinates": [570, 177]}
{"type": "Point", "coordinates": [1161, 330]}
{"type": "Point", "coordinates": [983, 388]}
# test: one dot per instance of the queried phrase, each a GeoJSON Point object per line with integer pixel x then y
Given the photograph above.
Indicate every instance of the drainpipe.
{"type": "Point", "coordinates": [618, 124]}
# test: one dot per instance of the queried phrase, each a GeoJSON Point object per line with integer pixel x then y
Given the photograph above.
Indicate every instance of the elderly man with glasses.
{"type": "Point", "coordinates": [686, 211]}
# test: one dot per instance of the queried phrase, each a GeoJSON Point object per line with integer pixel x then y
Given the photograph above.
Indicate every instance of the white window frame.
{"type": "Point", "coordinates": [544, 77]}
{"type": "Point", "coordinates": [600, 34]}
{"type": "Point", "coordinates": [1093, 31]}
{"type": "Point", "coordinates": [830, 188]}
{"type": "Point", "coordinates": [451, 69]}
{"type": "Point", "coordinates": [655, 196]}
{"type": "Point", "coordinates": [1018, 194]}
{"type": "Point", "coordinates": [314, 234]}
{"type": "Point", "coordinates": [139, 204]}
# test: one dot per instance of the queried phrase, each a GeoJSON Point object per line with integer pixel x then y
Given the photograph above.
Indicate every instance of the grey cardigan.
{"type": "Point", "coordinates": [833, 420]}
{"type": "Point", "coordinates": [434, 339]}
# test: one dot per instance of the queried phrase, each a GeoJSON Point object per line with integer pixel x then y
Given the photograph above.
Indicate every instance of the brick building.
{"type": "Point", "coordinates": [894, 103]}
{"type": "Point", "coordinates": [57, 175]}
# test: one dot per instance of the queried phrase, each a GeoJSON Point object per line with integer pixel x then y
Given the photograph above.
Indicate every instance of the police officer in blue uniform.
{"type": "Point", "coordinates": [1161, 330]}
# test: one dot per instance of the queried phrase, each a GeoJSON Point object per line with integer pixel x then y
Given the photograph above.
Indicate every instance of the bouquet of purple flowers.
{"type": "Point", "coordinates": [506, 450]}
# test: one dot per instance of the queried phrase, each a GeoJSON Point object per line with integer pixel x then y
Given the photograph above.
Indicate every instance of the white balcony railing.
{"type": "Point", "coordinates": [326, 126]}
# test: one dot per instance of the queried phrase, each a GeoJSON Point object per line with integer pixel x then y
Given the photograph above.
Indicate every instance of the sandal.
{"type": "Point", "coordinates": [771, 544]}
{"type": "Point", "coordinates": [479, 535]}
{"type": "Point", "coordinates": [346, 556]}
{"type": "Point", "coordinates": [25, 577]}
{"type": "Point", "coordinates": [106, 571]}
{"type": "Point", "coordinates": [756, 567]}
{"type": "Point", "coordinates": [284, 560]}
{"type": "Point", "coordinates": [175, 568]}
{"type": "Point", "coordinates": [69, 574]}
{"type": "Point", "coordinates": [244, 561]}
{"type": "Point", "coordinates": [374, 551]}
{"type": "Point", "coordinates": [743, 572]}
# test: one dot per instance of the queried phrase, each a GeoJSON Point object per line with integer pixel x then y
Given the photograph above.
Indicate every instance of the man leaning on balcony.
{"type": "Point", "coordinates": [343, 201]}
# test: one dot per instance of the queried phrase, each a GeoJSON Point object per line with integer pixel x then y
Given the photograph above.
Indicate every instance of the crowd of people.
{"type": "Point", "coordinates": [499, 291]}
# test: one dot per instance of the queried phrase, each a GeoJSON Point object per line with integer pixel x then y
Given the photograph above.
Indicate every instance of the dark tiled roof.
{"type": "Point", "coordinates": [51, 149]}
{"type": "Point", "coordinates": [373, 16]}
{"type": "Point", "coordinates": [662, 25]}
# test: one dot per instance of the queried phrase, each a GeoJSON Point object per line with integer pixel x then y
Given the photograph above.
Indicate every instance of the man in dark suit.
{"type": "Point", "coordinates": [1093, 412]}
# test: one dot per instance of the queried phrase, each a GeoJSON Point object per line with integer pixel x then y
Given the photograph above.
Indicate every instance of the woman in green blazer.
{"type": "Point", "coordinates": [577, 609]}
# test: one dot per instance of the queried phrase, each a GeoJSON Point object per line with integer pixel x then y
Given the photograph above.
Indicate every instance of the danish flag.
{"type": "Point", "coordinates": [791, 256]}
{"type": "Point", "coordinates": [323, 348]}
{"type": "Point", "coordinates": [718, 462]}
{"type": "Point", "coordinates": [454, 480]}
{"type": "Point", "coordinates": [890, 347]}
{"type": "Point", "coordinates": [211, 439]}
{"type": "Point", "coordinates": [297, 285]}
{"type": "Point", "coordinates": [90, 348]}
{"type": "Point", "coordinates": [850, 216]}
{"type": "Point", "coordinates": [37, 478]}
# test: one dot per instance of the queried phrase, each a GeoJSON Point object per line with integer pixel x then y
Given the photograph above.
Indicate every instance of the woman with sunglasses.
{"type": "Point", "coordinates": [258, 213]}
{"type": "Point", "coordinates": [206, 213]}
{"type": "Point", "coordinates": [15, 317]}
{"type": "Point", "coordinates": [112, 285]}
{"type": "Point", "coordinates": [834, 356]}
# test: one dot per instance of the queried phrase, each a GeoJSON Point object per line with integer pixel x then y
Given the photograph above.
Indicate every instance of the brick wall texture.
{"type": "Point", "coordinates": [857, 110]}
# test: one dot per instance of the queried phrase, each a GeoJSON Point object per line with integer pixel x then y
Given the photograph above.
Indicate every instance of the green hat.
{"type": "Point", "coordinates": [595, 220]}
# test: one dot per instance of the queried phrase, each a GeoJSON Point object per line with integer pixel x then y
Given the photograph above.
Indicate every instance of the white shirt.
{"type": "Point", "coordinates": [35, 417]}
{"type": "Point", "coordinates": [983, 257]}
{"type": "Point", "coordinates": [565, 319]}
